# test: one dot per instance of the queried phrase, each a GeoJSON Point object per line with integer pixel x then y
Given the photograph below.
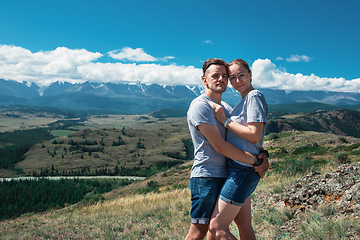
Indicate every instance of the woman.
{"type": "Point", "coordinates": [247, 130]}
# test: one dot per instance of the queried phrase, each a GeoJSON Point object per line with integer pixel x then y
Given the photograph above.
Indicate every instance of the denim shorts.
{"type": "Point", "coordinates": [204, 193]}
{"type": "Point", "coordinates": [240, 184]}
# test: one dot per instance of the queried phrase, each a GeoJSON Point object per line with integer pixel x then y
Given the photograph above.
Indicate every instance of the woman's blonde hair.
{"type": "Point", "coordinates": [240, 62]}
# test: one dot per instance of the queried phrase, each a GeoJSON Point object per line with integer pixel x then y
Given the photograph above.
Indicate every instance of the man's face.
{"type": "Point", "coordinates": [216, 78]}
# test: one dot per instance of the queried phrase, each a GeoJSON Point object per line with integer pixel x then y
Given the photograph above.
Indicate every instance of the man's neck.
{"type": "Point", "coordinates": [216, 97]}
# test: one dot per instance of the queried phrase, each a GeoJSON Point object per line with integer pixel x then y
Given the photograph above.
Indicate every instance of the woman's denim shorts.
{"type": "Point", "coordinates": [240, 184]}
{"type": "Point", "coordinates": [204, 193]}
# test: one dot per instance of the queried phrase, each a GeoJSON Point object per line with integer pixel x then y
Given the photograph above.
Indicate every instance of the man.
{"type": "Point", "coordinates": [209, 170]}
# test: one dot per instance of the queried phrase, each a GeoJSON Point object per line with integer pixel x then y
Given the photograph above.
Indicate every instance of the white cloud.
{"type": "Point", "coordinates": [279, 58]}
{"type": "Point", "coordinates": [137, 55]}
{"type": "Point", "coordinates": [267, 75]}
{"type": "Point", "coordinates": [145, 73]}
{"type": "Point", "coordinates": [167, 58]}
{"type": "Point", "coordinates": [43, 68]}
{"type": "Point", "coordinates": [298, 58]}
{"type": "Point", "coordinates": [76, 66]}
{"type": "Point", "coordinates": [208, 41]}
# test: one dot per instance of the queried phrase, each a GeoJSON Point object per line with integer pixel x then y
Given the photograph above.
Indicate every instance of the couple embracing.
{"type": "Point", "coordinates": [228, 156]}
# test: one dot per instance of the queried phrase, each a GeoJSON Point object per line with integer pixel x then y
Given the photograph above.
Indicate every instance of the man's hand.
{"type": "Point", "coordinates": [264, 167]}
{"type": "Point", "coordinates": [219, 112]}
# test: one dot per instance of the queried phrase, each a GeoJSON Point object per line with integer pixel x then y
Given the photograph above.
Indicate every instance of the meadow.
{"type": "Point", "coordinates": [159, 206]}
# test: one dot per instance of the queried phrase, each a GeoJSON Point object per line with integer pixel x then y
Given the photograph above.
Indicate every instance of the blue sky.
{"type": "Point", "coordinates": [292, 45]}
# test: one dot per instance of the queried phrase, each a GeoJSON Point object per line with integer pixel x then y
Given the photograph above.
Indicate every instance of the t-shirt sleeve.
{"type": "Point", "coordinates": [201, 112]}
{"type": "Point", "coordinates": [257, 109]}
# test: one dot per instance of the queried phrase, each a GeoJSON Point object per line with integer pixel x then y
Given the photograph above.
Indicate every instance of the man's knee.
{"type": "Point", "coordinates": [197, 231]}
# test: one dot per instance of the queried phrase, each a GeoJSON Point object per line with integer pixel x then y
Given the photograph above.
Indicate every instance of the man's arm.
{"type": "Point", "coordinates": [212, 133]}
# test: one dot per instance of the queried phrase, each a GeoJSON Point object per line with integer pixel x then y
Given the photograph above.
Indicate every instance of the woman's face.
{"type": "Point", "coordinates": [240, 79]}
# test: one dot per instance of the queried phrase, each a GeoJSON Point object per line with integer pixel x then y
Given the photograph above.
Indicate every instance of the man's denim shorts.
{"type": "Point", "coordinates": [204, 193]}
{"type": "Point", "coordinates": [240, 184]}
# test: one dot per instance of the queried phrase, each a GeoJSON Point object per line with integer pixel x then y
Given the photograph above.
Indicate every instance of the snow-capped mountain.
{"type": "Point", "coordinates": [144, 98]}
{"type": "Point", "coordinates": [21, 90]}
{"type": "Point", "coordinates": [122, 89]}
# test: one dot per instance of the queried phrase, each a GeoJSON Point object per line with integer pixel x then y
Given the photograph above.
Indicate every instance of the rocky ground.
{"type": "Point", "coordinates": [338, 191]}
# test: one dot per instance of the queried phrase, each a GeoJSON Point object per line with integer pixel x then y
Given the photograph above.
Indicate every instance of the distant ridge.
{"type": "Point", "coordinates": [139, 98]}
{"type": "Point", "coordinates": [303, 107]}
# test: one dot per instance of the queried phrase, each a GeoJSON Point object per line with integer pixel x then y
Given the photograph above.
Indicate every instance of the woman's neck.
{"type": "Point", "coordinates": [247, 92]}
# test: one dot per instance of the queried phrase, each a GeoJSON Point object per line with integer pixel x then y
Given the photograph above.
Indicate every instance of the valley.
{"type": "Point", "coordinates": [88, 141]}
{"type": "Point", "coordinates": [303, 146]}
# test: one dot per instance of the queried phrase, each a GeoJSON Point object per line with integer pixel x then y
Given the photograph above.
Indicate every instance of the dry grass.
{"type": "Point", "coordinates": [152, 216]}
{"type": "Point", "coordinates": [166, 215]}
{"type": "Point", "coordinates": [25, 123]}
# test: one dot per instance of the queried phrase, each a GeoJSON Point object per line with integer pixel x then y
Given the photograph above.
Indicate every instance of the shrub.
{"type": "Point", "coordinates": [179, 185]}
{"type": "Point", "coordinates": [319, 150]}
{"type": "Point", "coordinates": [140, 145]}
{"type": "Point", "coordinates": [343, 158]}
{"type": "Point", "coordinates": [273, 136]}
{"type": "Point", "coordinates": [91, 198]}
{"type": "Point", "coordinates": [343, 140]}
{"type": "Point", "coordinates": [152, 186]}
{"type": "Point", "coordinates": [292, 166]}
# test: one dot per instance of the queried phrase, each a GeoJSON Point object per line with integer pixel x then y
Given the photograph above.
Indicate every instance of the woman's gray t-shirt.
{"type": "Point", "coordinates": [252, 108]}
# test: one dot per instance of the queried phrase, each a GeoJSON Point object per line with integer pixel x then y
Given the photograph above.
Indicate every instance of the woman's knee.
{"type": "Point", "coordinates": [217, 229]}
{"type": "Point", "coordinates": [214, 226]}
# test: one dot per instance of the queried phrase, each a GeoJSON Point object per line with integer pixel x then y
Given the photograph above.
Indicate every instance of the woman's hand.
{"type": "Point", "coordinates": [219, 112]}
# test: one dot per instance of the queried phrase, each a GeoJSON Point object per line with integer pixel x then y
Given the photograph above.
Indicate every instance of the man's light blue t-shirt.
{"type": "Point", "coordinates": [207, 162]}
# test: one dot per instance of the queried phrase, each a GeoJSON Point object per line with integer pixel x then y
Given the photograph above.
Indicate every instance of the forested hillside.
{"type": "Point", "coordinates": [340, 122]}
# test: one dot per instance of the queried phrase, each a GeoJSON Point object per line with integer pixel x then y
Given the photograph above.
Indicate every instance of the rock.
{"type": "Point", "coordinates": [340, 189]}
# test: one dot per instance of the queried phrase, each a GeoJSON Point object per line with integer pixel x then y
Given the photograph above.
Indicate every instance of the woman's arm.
{"type": "Point", "coordinates": [212, 133]}
{"type": "Point", "coordinates": [251, 133]}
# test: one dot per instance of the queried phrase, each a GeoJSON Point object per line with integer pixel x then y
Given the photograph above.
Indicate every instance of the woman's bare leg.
{"type": "Point", "coordinates": [223, 214]}
{"type": "Point", "coordinates": [243, 221]}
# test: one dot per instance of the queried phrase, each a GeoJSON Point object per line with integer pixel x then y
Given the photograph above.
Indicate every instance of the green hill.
{"type": "Point", "coordinates": [301, 107]}
{"type": "Point", "coordinates": [158, 207]}
{"type": "Point", "coordinates": [314, 143]}
{"type": "Point", "coordinates": [105, 149]}
{"type": "Point", "coordinates": [341, 122]}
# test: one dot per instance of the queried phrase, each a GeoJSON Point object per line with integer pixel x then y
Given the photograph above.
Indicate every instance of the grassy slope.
{"type": "Point", "coordinates": [165, 214]}
{"type": "Point", "coordinates": [156, 135]}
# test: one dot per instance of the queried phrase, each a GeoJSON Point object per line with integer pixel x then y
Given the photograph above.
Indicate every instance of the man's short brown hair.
{"type": "Point", "coordinates": [214, 61]}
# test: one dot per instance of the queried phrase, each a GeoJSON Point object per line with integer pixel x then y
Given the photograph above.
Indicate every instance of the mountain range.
{"type": "Point", "coordinates": [139, 98]}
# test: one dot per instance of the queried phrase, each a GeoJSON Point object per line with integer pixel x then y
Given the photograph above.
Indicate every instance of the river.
{"type": "Point", "coordinates": [73, 177]}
